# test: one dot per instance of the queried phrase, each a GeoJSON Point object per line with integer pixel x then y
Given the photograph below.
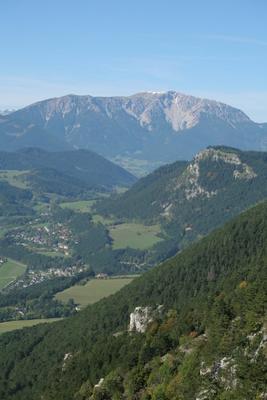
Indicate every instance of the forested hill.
{"type": "Point", "coordinates": [76, 167]}
{"type": "Point", "coordinates": [207, 342]}
{"type": "Point", "coordinates": [190, 199]}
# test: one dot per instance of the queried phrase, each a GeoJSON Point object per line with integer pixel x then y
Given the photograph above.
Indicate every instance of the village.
{"type": "Point", "coordinates": [55, 237]}
{"type": "Point", "coordinates": [32, 277]}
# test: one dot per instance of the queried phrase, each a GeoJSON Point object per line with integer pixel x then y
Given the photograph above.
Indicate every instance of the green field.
{"type": "Point", "coordinates": [134, 235]}
{"type": "Point", "coordinates": [50, 253]}
{"type": "Point", "coordinates": [9, 271]}
{"type": "Point", "coordinates": [103, 220]}
{"type": "Point", "coordinates": [137, 167]}
{"type": "Point", "coordinates": [13, 325]}
{"type": "Point", "coordinates": [93, 291]}
{"type": "Point", "coordinates": [13, 177]}
{"type": "Point", "coordinates": [2, 232]}
{"type": "Point", "coordinates": [86, 206]}
{"type": "Point", "coordinates": [81, 206]}
{"type": "Point", "coordinates": [41, 207]}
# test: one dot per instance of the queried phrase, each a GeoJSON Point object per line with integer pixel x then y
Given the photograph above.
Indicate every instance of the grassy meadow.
{"type": "Point", "coordinates": [80, 206]}
{"type": "Point", "coordinates": [13, 177]}
{"type": "Point", "coordinates": [13, 325]}
{"type": "Point", "coordinates": [9, 271]}
{"type": "Point", "coordinates": [84, 206]}
{"type": "Point", "coordinates": [134, 235]}
{"type": "Point", "coordinates": [93, 290]}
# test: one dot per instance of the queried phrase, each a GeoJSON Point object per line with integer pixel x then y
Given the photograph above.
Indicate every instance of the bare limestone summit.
{"type": "Point", "coordinates": [152, 126]}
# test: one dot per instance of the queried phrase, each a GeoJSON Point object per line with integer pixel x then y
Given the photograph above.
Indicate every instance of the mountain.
{"type": "Point", "coordinates": [7, 111]}
{"type": "Point", "coordinates": [206, 340]}
{"type": "Point", "coordinates": [189, 199]}
{"type": "Point", "coordinates": [74, 170]}
{"type": "Point", "coordinates": [150, 126]}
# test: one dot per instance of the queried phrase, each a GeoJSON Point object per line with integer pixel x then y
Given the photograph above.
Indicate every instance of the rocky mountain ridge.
{"type": "Point", "coordinates": [146, 126]}
{"type": "Point", "coordinates": [180, 111]}
{"type": "Point", "coordinates": [190, 198]}
{"type": "Point", "coordinates": [190, 178]}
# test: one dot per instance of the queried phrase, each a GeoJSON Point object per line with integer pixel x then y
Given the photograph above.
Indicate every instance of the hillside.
{"type": "Point", "coordinates": [189, 199]}
{"type": "Point", "coordinates": [74, 171]}
{"type": "Point", "coordinates": [158, 127]}
{"type": "Point", "coordinates": [14, 200]}
{"type": "Point", "coordinates": [207, 341]}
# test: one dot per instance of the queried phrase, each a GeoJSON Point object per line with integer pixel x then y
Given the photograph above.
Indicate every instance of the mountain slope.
{"type": "Point", "coordinates": [151, 126]}
{"type": "Point", "coordinates": [212, 340]}
{"type": "Point", "coordinates": [191, 198]}
{"type": "Point", "coordinates": [80, 168]}
{"type": "Point", "coordinates": [14, 200]}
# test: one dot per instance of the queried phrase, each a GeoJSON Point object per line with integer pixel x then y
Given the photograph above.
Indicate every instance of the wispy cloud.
{"type": "Point", "coordinates": [236, 39]}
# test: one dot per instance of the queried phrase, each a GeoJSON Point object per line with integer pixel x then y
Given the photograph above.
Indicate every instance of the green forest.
{"type": "Point", "coordinates": [208, 341]}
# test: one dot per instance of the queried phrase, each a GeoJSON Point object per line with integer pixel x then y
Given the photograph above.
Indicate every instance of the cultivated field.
{"type": "Point", "coordinates": [134, 235]}
{"type": "Point", "coordinates": [81, 206]}
{"type": "Point", "coordinates": [13, 177]}
{"type": "Point", "coordinates": [137, 167]}
{"type": "Point", "coordinates": [93, 290]}
{"type": "Point", "coordinates": [13, 325]}
{"type": "Point", "coordinates": [9, 271]}
{"type": "Point", "coordinates": [84, 206]}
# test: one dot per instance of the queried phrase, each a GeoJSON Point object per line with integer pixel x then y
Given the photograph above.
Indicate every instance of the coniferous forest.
{"type": "Point", "coordinates": [210, 337]}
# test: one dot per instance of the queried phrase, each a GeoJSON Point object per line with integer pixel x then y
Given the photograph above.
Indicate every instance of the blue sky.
{"type": "Point", "coordinates": [215, 49]}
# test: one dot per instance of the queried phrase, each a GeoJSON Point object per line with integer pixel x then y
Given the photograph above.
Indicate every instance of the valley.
{"type": "Point", "coordinates": [52, 239]}
{"type": "Point", "coordinates": [192, 325]}
{"type": "Point", "coordinates": [66, 237]}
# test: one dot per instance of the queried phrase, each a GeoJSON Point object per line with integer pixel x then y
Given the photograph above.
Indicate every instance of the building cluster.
{"type": "Point", "coordinates": [34, 277]}
{"type": "Point", "coordinates": [53, 237]}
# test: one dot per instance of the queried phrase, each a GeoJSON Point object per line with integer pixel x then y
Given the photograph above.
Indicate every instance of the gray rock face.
{"type": "Point", "coordinates": [193, 188]}
{"type": "Point", "coordinates": [66, 359]}
{"type": "Point", "coordinates": [223, 372]}
{"type": "Point", "coordinates": [142, 317]}
{"type": "Point", "coordinates": [153, 126]}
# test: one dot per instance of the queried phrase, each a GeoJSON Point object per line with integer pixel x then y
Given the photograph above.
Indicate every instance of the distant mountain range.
{"type": "Point", "coordinates": [189, 199]}
{"type": "Point", "coordinates": [7, 111]}
{"type": "Point", "coordinates": [147, 126]}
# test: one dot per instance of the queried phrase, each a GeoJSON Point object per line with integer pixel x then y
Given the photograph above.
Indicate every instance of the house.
{"type": "Point", "coordinates": [101, 275]}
